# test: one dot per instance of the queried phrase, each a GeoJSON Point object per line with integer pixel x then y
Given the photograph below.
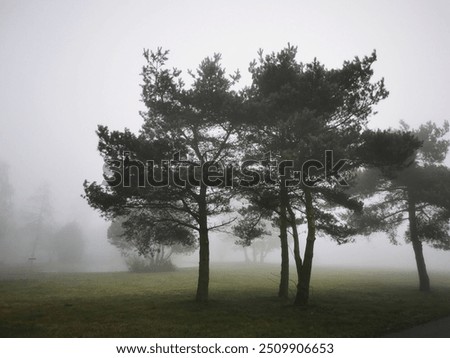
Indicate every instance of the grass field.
{"type": "Point", "coordinates": [344, 303]}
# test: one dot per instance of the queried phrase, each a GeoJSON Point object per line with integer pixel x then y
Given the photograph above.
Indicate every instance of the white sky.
{"type": "Point", "coordinates": [66, 66]}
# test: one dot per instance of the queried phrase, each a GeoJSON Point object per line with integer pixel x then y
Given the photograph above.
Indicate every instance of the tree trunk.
{"type": "Point", "coordinates": [247, 260]}
{"type": "Point", "coordinates": [424, 280]}
{"type": "Point", "coordinates": [203, 266]}
{"type": "Point", "coordinates": [302, 296]}
{"type": "Point", "coordinates": [283, 291]}
{"type": "Point", "coordinates": [157, 257]}
{"type": "Point", "coordinates": [152, 259]}
{"type": "Point", "coordinates": [297, 256]}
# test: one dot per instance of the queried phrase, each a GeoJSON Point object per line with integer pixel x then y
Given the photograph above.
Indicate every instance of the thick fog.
{"type": "Point", "coordinates": [67, 66]}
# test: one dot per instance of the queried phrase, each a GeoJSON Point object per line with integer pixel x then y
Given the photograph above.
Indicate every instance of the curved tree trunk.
{"type": "Point", "coordinates": [424, 280]}
{"type": "Point", "coordinates": [302, 296]}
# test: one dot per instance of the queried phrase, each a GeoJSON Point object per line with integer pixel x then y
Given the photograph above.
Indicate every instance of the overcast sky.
{"type": "Point", "coordinates": [67, 66]}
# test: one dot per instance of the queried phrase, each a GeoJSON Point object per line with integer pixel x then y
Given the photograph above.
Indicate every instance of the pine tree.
{"type": "Point", "coordinates": [408, 181]}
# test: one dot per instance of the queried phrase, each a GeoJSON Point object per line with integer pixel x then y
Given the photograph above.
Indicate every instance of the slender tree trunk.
{"type": "Point", "coordinates": [152, 259]}
{"type": "Point", "coordinates": [157, 257]}
{"type": "Point", "coordinates": [283, 291]}
{"type": "Point", "coordinates": [203, 266]}
{"type": "Point", "coordinates": [247, 260]}
{"type": "Point", "coordinates": [161, 258]}
{"type": "Point", "coordinates": [424, 280]}
{"type": "Point", "coordinates": [297, 256]}
{"type": "Point", "coordinates": [302, 296]}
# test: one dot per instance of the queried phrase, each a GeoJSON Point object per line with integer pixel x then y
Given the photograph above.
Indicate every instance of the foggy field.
{"type": "Point", "coordinates": [243, 303]}
{"type": "Point", "coordinates": [140, 138]}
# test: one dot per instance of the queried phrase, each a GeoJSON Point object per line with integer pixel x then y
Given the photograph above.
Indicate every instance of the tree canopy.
{"type": "Point", "coordinates": [309, 118]}
{"type": "Point", "coordinates": [290, 145]}
{"type": "Point", "coordinates": [408, 183]}
{"type": "Point", "coordinates": [185, 130]}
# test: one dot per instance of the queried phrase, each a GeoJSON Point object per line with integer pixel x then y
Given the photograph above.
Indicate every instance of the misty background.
{"type": "Point", "coordinates": [67, 66]}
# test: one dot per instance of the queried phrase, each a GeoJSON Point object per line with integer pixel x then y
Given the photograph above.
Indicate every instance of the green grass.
{"type": "Point", "coordinates": [243, 303]}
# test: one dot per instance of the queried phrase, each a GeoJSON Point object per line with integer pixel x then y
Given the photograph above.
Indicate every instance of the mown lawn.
{"type": "Point", "coordinates": [344, 303]}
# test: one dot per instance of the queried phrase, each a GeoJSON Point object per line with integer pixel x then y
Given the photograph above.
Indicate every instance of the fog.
{"type": "Point", "coordinates": [67, 66]}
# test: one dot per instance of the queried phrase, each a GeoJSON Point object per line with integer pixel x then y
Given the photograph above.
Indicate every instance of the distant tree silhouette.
{"type": "Point", "coordinates": [251, 232]}
{"type": "Point", "coordinates": [69, 244]}
{"type": "Point", "coordinates": [38, 227]}
{"type": "Point", "coordinates": [6, 211]}
{"type": "Point", "coordinates": [148, 245]}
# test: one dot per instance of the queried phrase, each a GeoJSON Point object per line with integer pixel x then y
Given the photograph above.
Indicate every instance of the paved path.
{"type": "Point", "coordinates": [439, 328]}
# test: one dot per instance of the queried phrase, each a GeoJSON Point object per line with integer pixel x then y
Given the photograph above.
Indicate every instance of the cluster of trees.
{"type": "Point", "coordinates": [30, 236]}
{"type": "Point", "coordinates": [252, 231]}
{"type": "Point", "coordinates": [147, 245]}
{"type": "Point", "coordinates": [293, 126]}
